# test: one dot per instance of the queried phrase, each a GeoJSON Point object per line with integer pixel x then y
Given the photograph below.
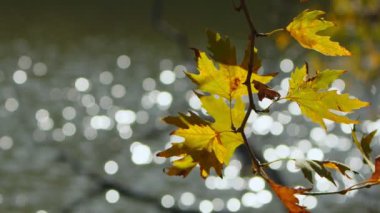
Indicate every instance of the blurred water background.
{"type": "Point", "coordinates": [84, 85]}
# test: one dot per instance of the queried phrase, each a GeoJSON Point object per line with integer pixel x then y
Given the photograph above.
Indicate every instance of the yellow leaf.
{"type": "Point", "coordinates": [316, 102]}
{"type": "Point", "coordinates": [220, 111]}
{"type": "Point", "coordinates": [304, 29]}
{"type": "Point", "coordinates": [225, 118]}
{"type": "Point", "coordinates": [205, 143]}
{"type": "Point", "coordinates": [226, 80]}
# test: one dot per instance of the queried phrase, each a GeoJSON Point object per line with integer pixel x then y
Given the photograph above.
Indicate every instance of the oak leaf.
{"type": "Point", "coordinates": [305, 28]}
{"type": "Point", "coordinates": [316, 102]}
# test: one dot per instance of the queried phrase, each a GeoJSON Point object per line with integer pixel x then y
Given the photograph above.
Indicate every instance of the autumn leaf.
{"type": "Point", "coordinates": [218, 109]}
{"type": "Point", "coordinates": [256, 60]}
{"type": "Point", "coordinates": [376, 175]}
{"type": "Point", "coordinates": [265, 92]}
{"type": "Point", "coordinates": [221, 48]}
{"type": "Point", "coordinates": [226, 80]}
{"type": "Point", "coordinates": [364, 146]}
{"type": "Point", "coordinates": [211, 145]}
{"type": "Point", "coordinates": [287, 196]}
{"type": "Point", "coordinates": [224, 52]}
{"type": "Point", "coordinates": [305, 28]}
{"type": "Point", "coordinates": [366, 143]}
{"type": "Point", "coordinates": [321, 168]}
{"type": "Point", "coordinates": [371, 181]}
{"type": "Point", "coordinates": [340, 167]}
{"type": "Point", "coordinates": [316, 102]}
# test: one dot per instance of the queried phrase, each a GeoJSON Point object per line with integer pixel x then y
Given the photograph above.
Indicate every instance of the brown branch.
{"type": "Point", "coordinates": [255, 162]}
{"type": "Point", "coordinates": [256, 165]}
{"type": "Point", "coordinates": [243, 6]}
{"type": "Point", "coordinates": [252, 37]}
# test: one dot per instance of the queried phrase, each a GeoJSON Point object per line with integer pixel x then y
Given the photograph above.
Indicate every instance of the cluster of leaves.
{"type": "Point", "coordinates": [358, 27]}
{"type": "Point", "coordinates": [223, 84]}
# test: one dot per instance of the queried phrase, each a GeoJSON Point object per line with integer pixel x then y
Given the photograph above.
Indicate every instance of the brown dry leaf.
{"type": "Point", "coordinates": [376, 175]}
{"type": "Point", "coordinates": [265, 91]}
{"type": "Point", "coordinates": [286, 195]}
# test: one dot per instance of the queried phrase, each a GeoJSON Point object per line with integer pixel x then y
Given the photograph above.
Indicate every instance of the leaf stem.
{"type": "Point", "coordinates": [280, 159]}
{"type": "Point", "coordinates": [270, 33]}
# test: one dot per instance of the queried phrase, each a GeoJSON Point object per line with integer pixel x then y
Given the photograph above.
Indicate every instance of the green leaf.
{"type": "Point", "coordinates": [364, 146]}
{"type": "Point", "coordinates": [256, 60]}
{"type": "Point", "coordinates": [223, 51]}
{"type": "Point", "coordinates": [366, 143]}
{"type": "Point", "coordinates": [322, 169]}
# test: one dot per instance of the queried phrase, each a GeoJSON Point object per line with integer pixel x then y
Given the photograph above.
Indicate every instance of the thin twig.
{"type": "Point", "coordinates": [270, 33]}
{"type": "Point", "coordinates": [280, 159]}
{"type": "Point", "coordinates": [358, 186]}
{"type": "Point", "coordinates": [255, 163]}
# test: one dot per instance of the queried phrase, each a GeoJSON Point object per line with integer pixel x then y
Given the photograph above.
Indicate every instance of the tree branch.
{"type": "Point", "coordinates": [256, 165]}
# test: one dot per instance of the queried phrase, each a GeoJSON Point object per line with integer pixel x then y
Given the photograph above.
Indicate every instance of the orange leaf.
{"type": "Point", "coordinates": [376, 175]}
{"type": "Point", "coordinates": [338, 167]}
{"type": "Point", "coordinates": [373, 180]}
{"type": "Point", "coordinates": [286, 195]}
